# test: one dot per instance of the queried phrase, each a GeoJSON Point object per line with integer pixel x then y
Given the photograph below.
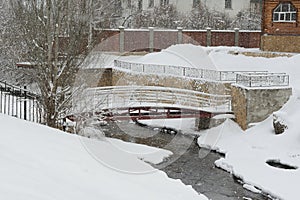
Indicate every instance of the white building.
{"type": "Point", "coordinates": [230, 7]}
{"type": "Point", "coordinates": [124, 10]}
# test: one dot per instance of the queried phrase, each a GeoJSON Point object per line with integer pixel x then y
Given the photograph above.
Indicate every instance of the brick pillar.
{"type": "Point", "coordinates": [208, 37]}
{"type": "Point", "coordinates": [179, 35]}
{"type": "Point", "coordinates": [122, 39]}
{"type": "Point", "coordinates": [151, 39]}
{"type": "Point", "coordinates": [236, 37]}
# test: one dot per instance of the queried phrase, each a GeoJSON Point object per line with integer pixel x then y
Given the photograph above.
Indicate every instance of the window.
{"type": "Point", "coordinates": [196, 3]}
{"type": "Point", "coordinates": [140, 4]}
{"type": "Point", "coordinates": [285, 12]}
{"type": "Point", "coordinates": [164, 2]}
{"type": "Point", "coordinates": [151, 4]}
{"type": "Point", "coordinates": [128, 3]}
{"type": "Point", "coordinates": [228, 4]}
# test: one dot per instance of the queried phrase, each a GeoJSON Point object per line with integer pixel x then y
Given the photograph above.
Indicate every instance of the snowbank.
{"type": "Point", "coordinates": [185, 55]}
{"type": "Point", "coordinates": [229, 62]}
{"type": "Point", "coordinates": [247, 153]}
{"type": "Point", "coordinates": [42, 163]}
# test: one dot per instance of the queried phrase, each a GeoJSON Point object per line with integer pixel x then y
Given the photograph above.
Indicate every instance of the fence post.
{"type": "Point", "coordinates": [151, 39]}
{"type": "Point", "coordinates": [4, 103]}
{"type": "Point", "coordinates": [208, 36]}
{"type": "Point", "coordinates": [122, 39]}
{"type": "Point", "coordinates": [236, 37]}
{"type": "Point", "coordinates": [8, 105]}
{"type": "Point", "coordinates": [25, 103]}
{"type": "Point", "coordinates": [179, 35]}
{"type": "Point", "coordinates": [1, 102]}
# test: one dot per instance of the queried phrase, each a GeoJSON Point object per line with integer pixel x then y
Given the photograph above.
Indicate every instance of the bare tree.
{"type": "Point", "coordinates": [201, 18]}
{"type": "Point", "coordinates": [55, 34]}
{"type": "Point", "coordinates": [247, 20]}
{"type": "Point", "coordinates": [165, 16]}
{"type": "Point", "coordinates": [107, 13]}
{"type": "Point", "coordinates": [9, 44]}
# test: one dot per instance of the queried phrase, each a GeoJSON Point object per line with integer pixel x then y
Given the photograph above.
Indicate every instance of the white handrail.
{"type": "Point", "coordinates": [188, 72]}
{"type": "Point", "coordinates": [134, 96]}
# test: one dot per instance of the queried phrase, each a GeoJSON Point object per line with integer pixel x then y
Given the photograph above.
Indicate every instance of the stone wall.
{"type": "Point", "coordinates": [280, 43]}
{"type": "Point", "coordinates": [120, 78]}
{"type": "Point", "coordinates": [239, 106]}
{"type": "Point", "coordinates": [94, 77]}
{"type": "Point", "coordinates": [255, 105]}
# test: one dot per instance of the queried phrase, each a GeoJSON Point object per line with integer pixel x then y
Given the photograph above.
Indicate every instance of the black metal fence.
{"type": "Point", "coordinates": [19, 102]}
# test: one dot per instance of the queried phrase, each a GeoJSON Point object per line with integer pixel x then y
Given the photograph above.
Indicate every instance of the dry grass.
{"type": "Point", "coordinates": [262, 54]}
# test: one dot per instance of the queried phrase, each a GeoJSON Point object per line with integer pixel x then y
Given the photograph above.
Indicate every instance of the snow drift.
{"type": "Point", "coordinates": [38, 162]}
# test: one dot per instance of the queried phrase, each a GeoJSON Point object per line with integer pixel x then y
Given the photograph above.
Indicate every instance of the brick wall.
{"type": "Point", "coordinates": [108, 40]}
{"type": "Point", "coordinates": [219, 38]}
{"type": "Point", "coordinates": [138, 40]}
{"type": "Point", "coordinates": [249, 39]}
{"type": "Point", "coordinates": [195, 37]}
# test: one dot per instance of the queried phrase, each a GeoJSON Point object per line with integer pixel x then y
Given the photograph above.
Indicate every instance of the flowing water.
{"type": "Point", "coordinates": [189, 163]}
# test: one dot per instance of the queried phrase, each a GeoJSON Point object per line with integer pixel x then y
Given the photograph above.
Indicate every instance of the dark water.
{"type": "Point", "coordinates": [194, 166]}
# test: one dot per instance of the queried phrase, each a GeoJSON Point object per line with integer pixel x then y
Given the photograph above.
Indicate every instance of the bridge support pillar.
{"type": "Point", "coordinates": [202, 123]}
{"type": "Point", "coordinates": [252, 105]}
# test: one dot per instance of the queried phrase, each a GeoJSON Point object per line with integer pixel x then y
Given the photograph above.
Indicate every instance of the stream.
{"type": "Point", "coordinates": [189, 163]}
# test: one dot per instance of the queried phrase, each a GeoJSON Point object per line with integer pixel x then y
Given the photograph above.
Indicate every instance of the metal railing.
{"type": "Point", "coordinates": [19, 102]}
{"type": "Point", "coordinates": [188, 72]}
{"type": "Point", "coordinates": [262, 79]}
{"type": "Point", "coordinates": [135, 96]}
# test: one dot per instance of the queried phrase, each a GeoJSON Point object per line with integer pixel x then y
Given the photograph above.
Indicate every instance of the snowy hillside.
{"type": "Point", "coordinates": [42, 163]}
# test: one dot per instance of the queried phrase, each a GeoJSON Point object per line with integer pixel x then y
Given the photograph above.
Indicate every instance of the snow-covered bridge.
{"type": "Point", "coordinates": [151, 102]}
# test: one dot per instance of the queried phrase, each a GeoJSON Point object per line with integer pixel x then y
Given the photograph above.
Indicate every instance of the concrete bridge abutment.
{"type": "Point", "coordinates": [253, 105]}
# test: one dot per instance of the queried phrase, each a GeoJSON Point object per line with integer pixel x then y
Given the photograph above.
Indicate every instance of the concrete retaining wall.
{"type": "Point", "coordinates": [255, 105]}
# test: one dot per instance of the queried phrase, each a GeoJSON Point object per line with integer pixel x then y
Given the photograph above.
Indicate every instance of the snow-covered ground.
{"type": "Point", "coordinates": [230, 62]}
{"type": "Point", "coordinates": [247, 152]}
{"type": "Point", "coordinates": [42, 163]}
{"type": "Point", "coordinates": [38, 162]}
